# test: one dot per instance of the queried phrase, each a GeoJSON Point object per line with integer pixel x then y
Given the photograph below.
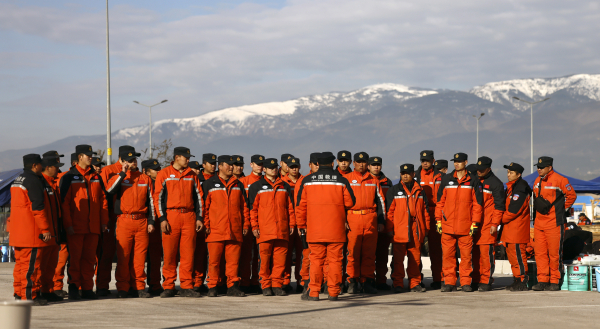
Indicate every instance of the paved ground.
{"type": "Point", "coordinates": [496, 309]}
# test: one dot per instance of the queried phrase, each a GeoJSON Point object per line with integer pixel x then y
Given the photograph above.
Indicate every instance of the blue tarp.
{"type": "Point", "coordinates": [6, 179]}
{"type": "Point", "coordinates": [580, 186]}
{"type": "Point", "coordinates": [596, 180]}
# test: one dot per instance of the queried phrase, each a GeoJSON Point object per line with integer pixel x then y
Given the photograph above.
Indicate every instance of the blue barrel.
{"type": "Point", "coordinates": [578, 277]}
{"type": "Point", "coordinates": [596, 276]}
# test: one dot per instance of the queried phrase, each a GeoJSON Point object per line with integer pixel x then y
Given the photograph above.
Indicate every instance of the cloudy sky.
{"type": "Point", "coordinates": [203, 56]}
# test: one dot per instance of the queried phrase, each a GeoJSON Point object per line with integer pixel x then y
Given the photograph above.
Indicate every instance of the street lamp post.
{"type": "Point", "coordinates": [150, 126]}
{"type": "Point", "coordinates": [531, 109]}
{"type": "Point", "coordinates": [108, 129]}
{"type": "Point", "coordinates": [477, 150]}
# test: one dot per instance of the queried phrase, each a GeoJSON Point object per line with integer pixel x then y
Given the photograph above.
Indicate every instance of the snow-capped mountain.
{"type": "Point", "coordinates": [502, 92]}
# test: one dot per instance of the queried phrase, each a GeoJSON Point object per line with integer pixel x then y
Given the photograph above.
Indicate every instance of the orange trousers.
{"type": "Point", "coordinates": [26, 273]}
{"type": "Point", "coordinates": [154, 258]}
{"type": "Point", "coordinates": [200, 259]}
{"type": "Point", "coordinates": [231, 250]}
{"type": "Point", "coordinates": [82, 258]}
{"type": "Point", "coordinates": [105, 254]}
{"type": "Point", "coordinates": [132, 247]}
{"type": "Point", "coordinates": [59, 272]}
{"type": "Point", "coordinates": [465, 244]}
{"type": "Point", "coordinates": [182, 240]}
{"type": "Point", "coordinates": [272, 259]}
{"type": "Point", "coordinates": [548, 248]}
{"type": "Point", "coordinates": [411, 249]}
{"type": "Point", "coordinates": [294, 243]}
{"type": "Point", "coordinates": [435, 253]}
{"type": "Point", "coordinates": [484, 263]}
{"type": "Point", "coordinates": [362, 243]}
{"type": "Point", "coordinates": [319, 252]}
{"type": "Point", "coordinates": [305, 269]}
{"type": "Point", "coordinates": [249, 261]}
{"type": "Point", "coordinates": [48, 267]}
{"type": "Point", "coordinates": [518, 260]}
{"type": "Point", "coordinates": [381, 257]}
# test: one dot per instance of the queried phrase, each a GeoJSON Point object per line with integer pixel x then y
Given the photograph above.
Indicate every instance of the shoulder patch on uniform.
{"type": "Point", "coordinates": [515, 197]}
{"type": "Point", "coordinates": [568, 187]}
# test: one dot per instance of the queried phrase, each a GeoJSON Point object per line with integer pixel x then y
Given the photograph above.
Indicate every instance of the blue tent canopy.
{"type": "Point", "coordinates": [580, 186]}
{"type": "Point", "coordinates": [6, 179]}
{"type": "Point", "coordinates": [596, 180]}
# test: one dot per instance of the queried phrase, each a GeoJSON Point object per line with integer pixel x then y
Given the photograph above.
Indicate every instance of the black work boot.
{"type": "Point", "coordinates": [287, 288]}
{"type": "Point", "coordinates": [519, 286]}
{"type": "Point", "coordinates": [299, 287]}
{"type": "Point", "coordinates": [515, 281]}
{"type": "Point", "coordinates": [132, 292]}
{"type": "Point", "coordinates": [435, 285]}
{"type": "Point", "coordinates": [143, 294]}
{"type": "Point", "coordinates": [418, 288]}
{"type": "Point", "coordinates": [398, 290]}
{"type": "Point", "coordinates": [332, 298]}
{"type": "Point", "coordinates": [189, 293]}
{"type": "Point", "coordinates": [222, 289]}
{"type": "Point", "coordinates": [540, 286]}
{"type": "Point", "coordinates": [88, 294]}
{"type": "Point", "coordinates": [39, 301]}
{"type": "Point", "coordinates": [313, 299]}
{"type": "Point", "coordinates": [60, 293]}
{"type": "Point", "coordinates": [102, 292]}
{"type": "Point", "coordinates": [156, 292]}
{"type": "Point", "coordinates": [324, 287]}
{"type": "Point", "coordinates": [467, 288]}
{"type": "Point", "coordinates": [305, 291]}
{"type": "Point", "coordinates": [268, 291]}
{"type": "Point", "coordinates": [475, 286]}
{"type": "Point", "coordinates": [17, 297]}
{"type": "Point", "coordinates": [122, 294]}
{"type": "Point", "coordinates": [279, 291]}
{"type": "Point", "coordinates": [552, 287]}
{"type": "Point", "coordinates": [449, 287]}
{"type": "Point", "coordinates": [212, 292]}
{"type": "Point", "coordinates": [383, 286]}
{"type": "Point", "coordinates": [484, 287]}
{"type": "Point", "coordinates": [168, 293]}
{"type": "Point", "coordinates": [74, 292]}
{"type": "Point", "coordinates": [255, 289]}
{"type": "Point", "coordinates": [369, 287]}
{"type": "Point", "coordinates": [352, 286]}
{"type": "Point", "coordinates": [234, 291]}
{"type": "Point", "coordinates": [52, 297]}
{"type": "Point", "coordinates": [342, 288]}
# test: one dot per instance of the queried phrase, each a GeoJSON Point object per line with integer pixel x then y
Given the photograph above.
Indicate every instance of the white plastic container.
{"type": "Point", "coordinates": [15, 314]}
{"type": "Point", "coordinates": [593, 260]}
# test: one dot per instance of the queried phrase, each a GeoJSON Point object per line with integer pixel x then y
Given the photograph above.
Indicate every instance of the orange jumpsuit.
{"type": "Point", "coordinates": [294, 243]}
{"type": "Point", "coordinates": [250, 254]}
{"type": "Point", "coordinates": [515, 230]}
{"type": "Point", "coordinates": [549, 227]}
{"type": "Point", "coordinates": [201, 252]}
{"type": "Point", "coordinates": [324, 194]}
{"type": "Point", "coordinates": [408, 219]}
{"type": "Point", "coordinates": [430, 181]}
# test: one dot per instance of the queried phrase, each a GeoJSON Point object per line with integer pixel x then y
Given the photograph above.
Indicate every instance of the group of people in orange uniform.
{"type": "Point", "coordinates": [222, 232]}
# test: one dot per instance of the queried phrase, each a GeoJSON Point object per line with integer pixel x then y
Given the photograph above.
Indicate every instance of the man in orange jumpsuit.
{"type": "Point", "coordinates": [458, 214]}
{"type": "Point", "coordinates": [430, 178]}
{"type": "Point", "coordinates": [485, 240]}
{"type": "Point", "coordinates": [85, 217]}
{"type": "Point", "coordinates": [324, 195]}
{"type": "Point", "coordinates": [383, 239]}
{"type": "Point", "coordinates": [135, 221]}
{"type": "Point", "coordinates": [515, 225]}
{"type": "Point", "coordinates": [272, 218]}
{"type": "Point", "coordinates": [407, 223]}
{"type": "Point", "coordinates": [209, 165]}
{"type": "Point", "coordinates": [249, 279]}
{"type": "Point", "coordinates": [344, 158]}
{"type": "Point", "coordinates": [366, 218]}
{"type": "Point", "coordinates": [553, 196]}
{"type": "Point", "coordinates": [295, 242]}
{"type": "Point", "coordinates": [151, 167]}
{"type": "Point", "coordinates": [31, 229]}
{"type": "Point", "coordinates": [283, 171]}
{"type": "Point", "coordinates": [227, 221]}
{"type": "Point", "coordinates": [178, 198]}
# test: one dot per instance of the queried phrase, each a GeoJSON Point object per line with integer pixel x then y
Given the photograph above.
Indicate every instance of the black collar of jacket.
{"type": "Point", "coordinates": [325, 170]}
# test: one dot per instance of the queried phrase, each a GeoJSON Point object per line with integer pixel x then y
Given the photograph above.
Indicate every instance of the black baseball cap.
{"type": "Point", "coordinates": [286, 156]}
{"type": "Point", "coordinates": [271, 163]}
{"type": "Point", "coordinates": [125, 148]}
{"type": "Point", "coordinates": [427, 155]}
{"type": "Point", "coordinates": [460, 157]}
{"type": "Point", "coordinates": [344, 155]}
{"type": "Point", "coordinates": [375, 161]}
{"type": "Point", "coordinates": [407, 167]}
{"type": "Point", "coordinates": [293, 162]}
{"type": "Point", "coordinates": [52, 162]}
{"type": "Point", "coordinates": [239, 160]}
{"type": "Point", "coordinates": [440, 164]}
{"type": "Point", "coordinates": [31, 159]}
{"type": "Point", "coordinates": [544, 162]}
{"type": "Point", "coordinates": [258, 159]}
{"type": "Point", "coordinates": [194, 165]}
{"type": "Point", "coordinates": [96, 161]}
{"type": "Point", "coordinates": [85, 149]}
{"type": "Point", "coordinates": [483, 163]}
{"type": "Point", "coordinates": [472, 168]}
{"type": "Point", "coordinates": [209, 157]}
{"type": "Point", "coordinates": [228, 159]}
{"type": "Point", "coordinates": [151, 164]}
{"type": "Point", "coordinates": [361, 156]}
{"type": "Point", "coordinates": [314, 157]}
{"type": "Point", "coordinates": [74, 157]}
{"type": "Point", "coordinates": [128, 153]}
{"type": "Point", "coordinates": [325, 158]}
{"type": "Point", "coordinates": [515, 167]}
{"type": "Point", "coordinates": [182, 150]}
{"type": "Point", "coordinates": [52, 154]}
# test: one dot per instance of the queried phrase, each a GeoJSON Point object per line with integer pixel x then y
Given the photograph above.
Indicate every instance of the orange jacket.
{"type": "Point", "coordinates": [460, 203]}
{"type": "Point", "coordinates": [324, 197]}
{"type": "Point", "coordinates": [249, 180]}
{"type": "Point", "coordinates": [84, 205]}
{"type": "Point", "coordinates": [555, 188]}
{"type": "Point", "coordinates": [181, 191]}
{"type": "Point", "coordinates": [271, 209]}
{"type": "Point", "coordinates": [31, 212]}
{"type": "Point", "coordinates": [227, 213]}
{"type": "Point", "coordinates": [430, 180]}
{"type": "Point", "coordinates": [55, 209]}
{"type": "Point", "coordinates": [516, 218]}
{"type": "Point", "coordinates": [343, 172]}
{"type": "Point", "coordinates": [368, 194]}
{"type": "Point", "coordinates": [133, 195]}
{"type": "Point", "coordinates": [384, 183]}
{"type": "Point", "coordinates": [292, 185]}
{"type": "Point", "coordinates": [493, 208]}
{"type": "Point", "coordinates": [407, 212]}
